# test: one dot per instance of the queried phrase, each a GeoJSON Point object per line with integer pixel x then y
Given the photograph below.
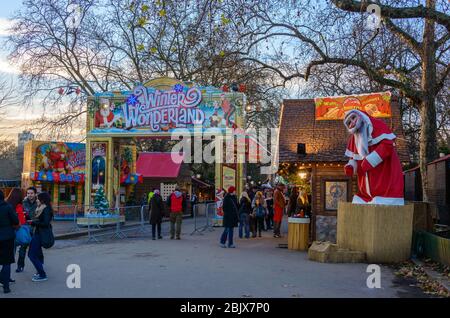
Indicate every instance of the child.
{"type": "Point", "coordinates": [260, 213]}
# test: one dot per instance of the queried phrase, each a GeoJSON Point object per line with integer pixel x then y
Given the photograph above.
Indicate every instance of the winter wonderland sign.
{"type": "Point", "coordinates": [157, 109]}
{"type": "Point", "coordinates": [149, 110]}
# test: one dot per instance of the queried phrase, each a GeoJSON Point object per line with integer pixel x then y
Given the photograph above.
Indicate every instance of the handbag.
{"type": "Point", "coordinates": [47, 237]}
{"type": "Point", "coordinates": [23, 235]}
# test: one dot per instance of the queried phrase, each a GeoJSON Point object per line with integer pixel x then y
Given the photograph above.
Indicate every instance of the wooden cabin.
{"type": "Point", "coordinates": [315, 150]}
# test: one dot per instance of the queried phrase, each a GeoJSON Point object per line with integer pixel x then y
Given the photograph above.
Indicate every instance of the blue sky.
{"type": "Point", "coordinates": [8, 7]}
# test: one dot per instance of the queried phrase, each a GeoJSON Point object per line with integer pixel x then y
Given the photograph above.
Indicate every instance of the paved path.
{"type": "Point", "coordinates": [196, 266]}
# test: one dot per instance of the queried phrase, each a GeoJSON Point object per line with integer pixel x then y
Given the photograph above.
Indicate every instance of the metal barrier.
{"type": "Point", "coordinates": [206, 209]}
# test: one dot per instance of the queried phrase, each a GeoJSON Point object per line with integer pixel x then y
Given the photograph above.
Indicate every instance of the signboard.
{"type": "Point", "coordinates": [98, 150]}
{"type": "Point", "coordinates": [229, 177]}
{"type": "Point", "coordinates": [334, 108]}
{"type": "Point", "coordinates": [150, 110]}
{"type": "Point", "coordinates": [61, 157]}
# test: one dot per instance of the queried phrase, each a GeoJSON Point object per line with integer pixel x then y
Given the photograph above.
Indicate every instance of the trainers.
{"type": "Point", "coordinates": [231, 246]}
{"type": "Point", "coordinates": [223, 245]}
{"type": "Point", "coordinates": [159, 237]}
{"type": "Point", "coordinates": [36, 275]}
{"type": "Point", "coordinates": [19, 270]}
{"type": "Point", "coordinates": [39, 279]}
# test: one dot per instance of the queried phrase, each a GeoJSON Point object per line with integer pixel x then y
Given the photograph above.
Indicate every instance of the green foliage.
{"type": "Point", "coordinates": [100, 201]}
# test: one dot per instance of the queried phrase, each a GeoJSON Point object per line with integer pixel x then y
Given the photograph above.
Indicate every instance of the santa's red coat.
{"type": "Point", "coordinates": [100, 120]}
{"type": "Point", "coordinates": [380, 177]}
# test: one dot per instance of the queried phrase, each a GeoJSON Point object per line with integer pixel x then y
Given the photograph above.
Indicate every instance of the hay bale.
{"type": "Point", "coordinates": [327, 252]}
{"type": "Point", "coordinates": [382, 232]}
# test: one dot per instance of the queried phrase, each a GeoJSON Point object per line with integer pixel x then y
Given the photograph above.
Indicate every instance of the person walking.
{"type": "Point", "coordinates": [245, 209]}
{"type": "Point", "coordinates": [40, 222]}
{"type": "Point", "coordinates": [279, 205]}
{"type": "Point", "coordinates": [176, 213]}
{"type": "Point", "coordinates": [15, 200]}
{"type": "Point", "coordinates": [156, 213]}
{"type": "Point", "coordinates": [230, 217]}
{"type": "Point", "coordinates": [8, 222]}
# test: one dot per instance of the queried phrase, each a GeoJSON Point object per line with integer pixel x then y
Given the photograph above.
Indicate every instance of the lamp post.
{"type": "Point", "coordinates": [98, 173]}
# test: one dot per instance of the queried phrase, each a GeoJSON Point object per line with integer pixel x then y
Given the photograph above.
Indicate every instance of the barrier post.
{"type": "Point", "coordinates": [196, 230]}
{"type": "Point", "coordinates": [142, 228]}
{"type": "Point", "coordinates": [118, 233]}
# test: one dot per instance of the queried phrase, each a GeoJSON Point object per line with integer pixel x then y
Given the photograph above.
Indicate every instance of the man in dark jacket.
{"type": "Point", "coordinates": [156, 213]}
{"type": "Point", "coordinates": [29, 203]}
{"type": "Point", "coordinates": [8, 222]}
{"type": "Point", "coordinates": [230, 217]}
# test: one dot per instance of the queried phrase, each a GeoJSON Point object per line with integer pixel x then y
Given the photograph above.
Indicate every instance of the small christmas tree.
{"type": "Point", "coordinates": [100, 202]}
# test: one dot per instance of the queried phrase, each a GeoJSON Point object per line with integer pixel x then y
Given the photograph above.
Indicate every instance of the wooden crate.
{"type": "Point", "coordinates": [298, 233]}
{"type": "Point", "coordinates": [382, 232]}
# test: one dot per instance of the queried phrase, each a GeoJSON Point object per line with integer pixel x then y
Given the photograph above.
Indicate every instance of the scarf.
{"type": "Point", "coordinates": [39, 210]}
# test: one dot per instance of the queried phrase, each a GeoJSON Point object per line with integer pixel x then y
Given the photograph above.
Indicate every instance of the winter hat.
{"type": "Point", "coordinates": [231, 189]}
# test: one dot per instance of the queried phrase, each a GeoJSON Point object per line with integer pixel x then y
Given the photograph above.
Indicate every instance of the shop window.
{"type": "Point", "coordinates": [67, 193]}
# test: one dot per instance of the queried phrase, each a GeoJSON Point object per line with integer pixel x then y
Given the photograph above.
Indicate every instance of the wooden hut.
{"type": "Point", "coordinates": [315, 149]}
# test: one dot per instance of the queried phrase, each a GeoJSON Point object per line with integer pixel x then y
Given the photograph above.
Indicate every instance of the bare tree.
{"type": "Point", "coordinates": [117, 43]}
{"type": "Point", "coordinates": [409, 52]}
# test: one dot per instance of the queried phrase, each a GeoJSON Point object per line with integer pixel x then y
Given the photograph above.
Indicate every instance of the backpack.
{"type": "Point", "coordinates": [259, 211]}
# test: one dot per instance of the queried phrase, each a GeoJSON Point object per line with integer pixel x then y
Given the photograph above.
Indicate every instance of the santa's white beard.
{"type": "Point", "coordinates": [362, 140]}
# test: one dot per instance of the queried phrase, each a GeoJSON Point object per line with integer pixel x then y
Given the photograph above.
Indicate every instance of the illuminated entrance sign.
{"type": "Point", "coordinates": [159, 110]}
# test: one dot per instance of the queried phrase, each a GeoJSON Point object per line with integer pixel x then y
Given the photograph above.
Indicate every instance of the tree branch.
{"type": "Point", "coordinates": [396, 13]}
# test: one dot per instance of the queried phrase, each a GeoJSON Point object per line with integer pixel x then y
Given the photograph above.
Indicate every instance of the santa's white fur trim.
{"type": "Point", "coordinates": [387, 201]}
{"type": "Point", "coordinates": [353, 155]}
{"type": "Point", "coordinates": [381, 137]}
{"type": "Point", "coordinates": [358, 200]}
{"type": "Point", "coordinates": [352, 163]}
{"type": "Point", "coordinates": [374, 159]}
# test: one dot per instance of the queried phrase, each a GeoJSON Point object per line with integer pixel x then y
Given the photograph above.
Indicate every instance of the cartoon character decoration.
{"type": "Point", "coordinates": [373, 159]}
{"type": "Point", "coordinates": [127, 159]}
{"type": "Point", "coordinates": [215, 119]}
{"type": "Point", "coordinates": [104, 117]}
{"type": "Point", "coordinates": [220, 195]}
{"type": "Point", "coordinates": [54, 158]}
{"type": "Point", "coordinates": [228, 110]}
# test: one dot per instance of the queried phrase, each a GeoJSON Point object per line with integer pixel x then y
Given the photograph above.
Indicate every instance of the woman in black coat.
{"type": "Point", "coordinates": [40, 222]}
{"type": "Point", "coordinates": [156, 213]}
{"type": "Point", "coordinates": [8, 222]}
{"type": "Point", "coordinates": [230, 217]}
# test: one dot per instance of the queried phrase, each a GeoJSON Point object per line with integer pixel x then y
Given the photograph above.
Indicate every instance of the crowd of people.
{"type": "Point", "coordinates": [259, 210]}
{"type": "Point", "coordinates": [34, 214]}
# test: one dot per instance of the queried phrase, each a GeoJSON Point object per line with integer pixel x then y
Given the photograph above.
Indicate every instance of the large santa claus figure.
{"type": "Point", "coordinates": [373, 159]}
